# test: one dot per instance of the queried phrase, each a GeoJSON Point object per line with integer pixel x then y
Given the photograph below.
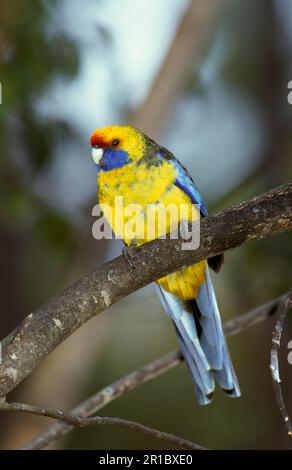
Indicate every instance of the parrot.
{"type": "Point", "coordinates": [134, 170]}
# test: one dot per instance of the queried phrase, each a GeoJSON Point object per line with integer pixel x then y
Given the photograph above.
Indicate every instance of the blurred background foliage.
{"type": "Point", "coordinates": [67, 67]}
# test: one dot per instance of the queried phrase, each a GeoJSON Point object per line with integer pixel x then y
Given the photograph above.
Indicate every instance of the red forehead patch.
{"type": "Point", "coordinates": [97, 139]}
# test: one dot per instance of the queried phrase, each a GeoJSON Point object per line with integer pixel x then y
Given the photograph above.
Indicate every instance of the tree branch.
{"type": "Point", "coordinates": [191, 38]}
{"type": "Point", "coordinates": [101, 421]}
{"type": "Point", "coordinates": [285, 306]}
{"type": "Point", "coordinates": [42, 331]}
{"type": "Point", "coordinates": [149, 372]}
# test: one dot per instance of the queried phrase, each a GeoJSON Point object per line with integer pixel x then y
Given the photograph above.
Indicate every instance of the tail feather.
{"type": "Point", "coordinates": [203, 398]}
{"type": "Point", "coordinates": [182, 316]}
{"type": "Point", "coordinates": [202, 341]}
{"type": "Point", "coordinates": [226, 377]}
{"type": "Point", "coordinates": [213, 340]}
{"type": "Point", "coordinates": [200, 368]}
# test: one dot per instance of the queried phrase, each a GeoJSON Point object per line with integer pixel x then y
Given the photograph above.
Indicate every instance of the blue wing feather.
{"type": "Point", "coordinates": [185, 182]}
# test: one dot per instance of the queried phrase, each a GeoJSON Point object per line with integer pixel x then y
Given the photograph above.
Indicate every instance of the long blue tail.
{"type": "Point", "coordinates": [202, 341]}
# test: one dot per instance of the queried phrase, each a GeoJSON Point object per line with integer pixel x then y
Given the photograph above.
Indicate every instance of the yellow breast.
{"type": "Point", "coordinates": [141, 204]}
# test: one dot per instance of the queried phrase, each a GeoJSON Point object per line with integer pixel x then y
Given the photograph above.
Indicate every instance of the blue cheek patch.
{"type": "Point", "coordinates": [113, 159]}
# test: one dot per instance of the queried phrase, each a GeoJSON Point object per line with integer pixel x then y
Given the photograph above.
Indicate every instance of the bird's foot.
{"type": "Point", "coordinates": [128, 253]}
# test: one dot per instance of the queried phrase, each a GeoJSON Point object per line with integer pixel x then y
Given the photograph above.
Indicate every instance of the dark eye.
{"type": "Point", "coordinates": [115, 142]}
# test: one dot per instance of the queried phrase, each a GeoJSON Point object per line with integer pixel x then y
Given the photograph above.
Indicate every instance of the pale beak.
{"type": "Point", "coordinates": [96, 154]}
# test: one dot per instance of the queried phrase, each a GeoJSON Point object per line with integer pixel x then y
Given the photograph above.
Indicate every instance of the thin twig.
{"type": "Point", "coordinates": [138, 377]}
{"type": "Point", "coordinates": [101, 421]}
{"type": "Point", "coordinates": [285, 306]}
